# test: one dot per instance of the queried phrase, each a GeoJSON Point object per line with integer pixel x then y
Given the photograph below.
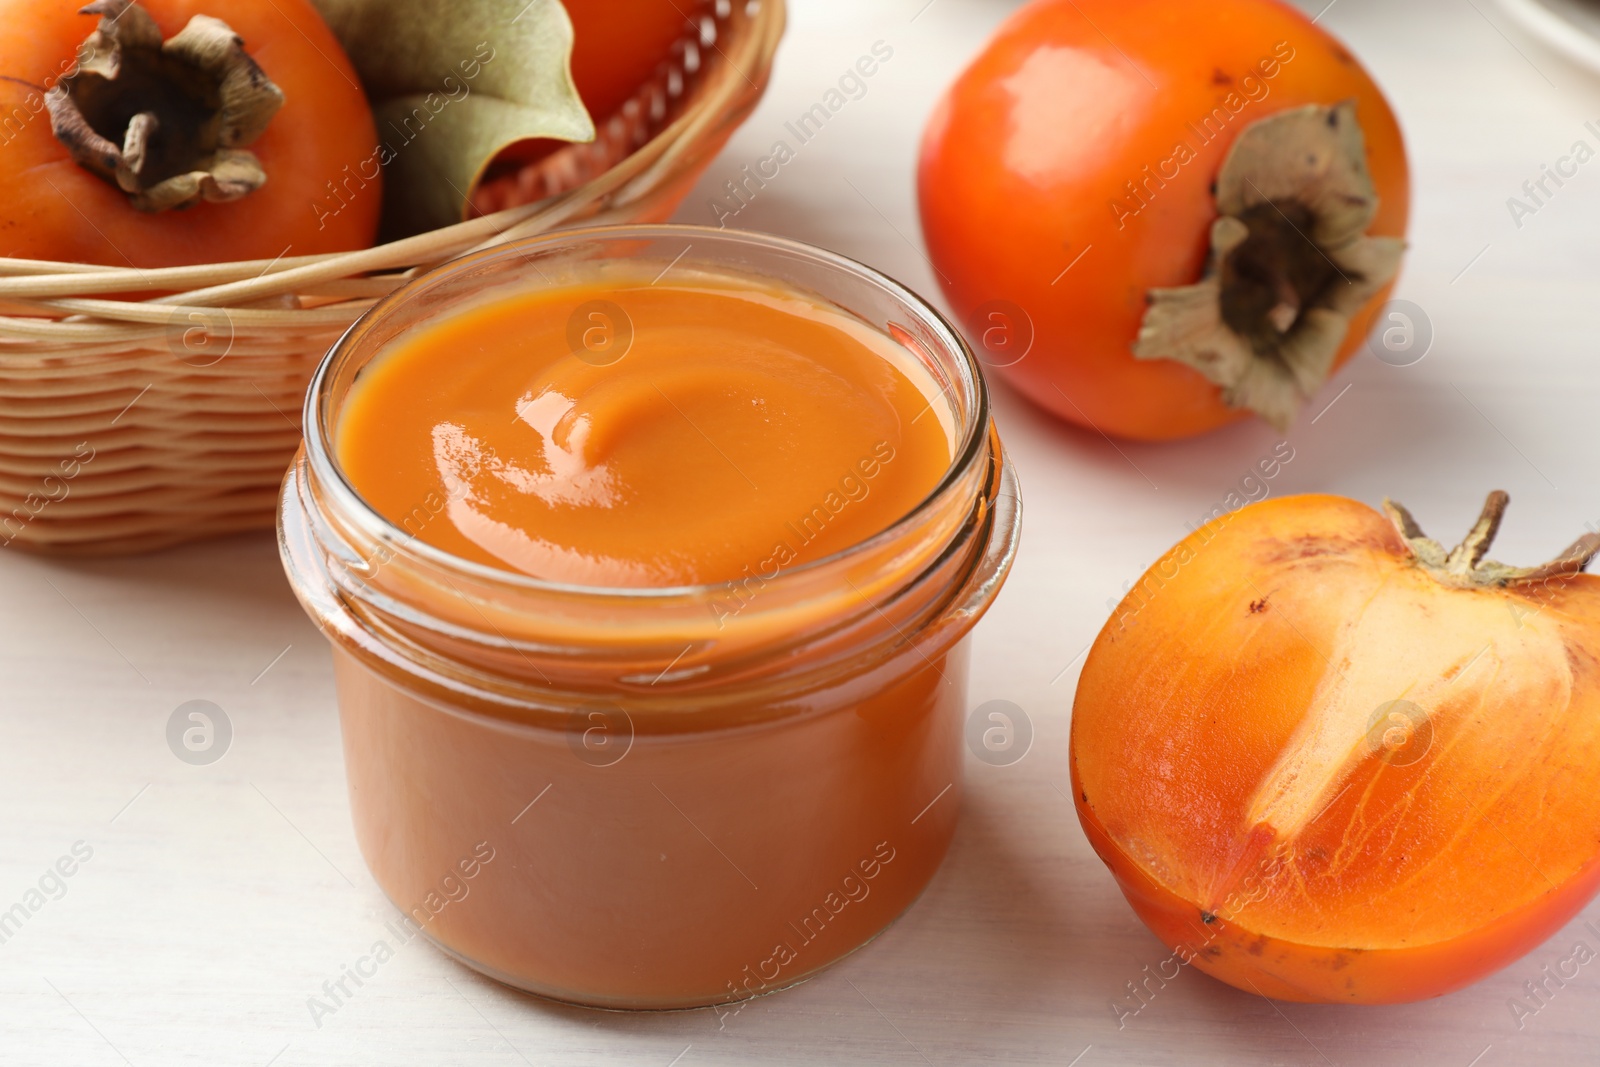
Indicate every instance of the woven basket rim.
{"type": "Point", "coordinates": [726, 95]}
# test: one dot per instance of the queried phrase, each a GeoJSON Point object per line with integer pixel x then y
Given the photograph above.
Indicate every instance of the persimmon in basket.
{"type": "Point", "coordinates": [617, 45]}
{"type": "Point", "coordinates": [172, 132]}
{"type": "Point", "coordinates": [1327, 760]}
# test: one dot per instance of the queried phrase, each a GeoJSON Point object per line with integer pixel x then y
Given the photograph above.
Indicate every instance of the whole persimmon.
{"type": "Point", "coordinates": [1155, 216]}
{"type": "Point", "coordinates": [1327, 760]}
{"type": "Point", "coordinates": [173, 132]}
{"type": "Point", "coordinates": [616, 46]}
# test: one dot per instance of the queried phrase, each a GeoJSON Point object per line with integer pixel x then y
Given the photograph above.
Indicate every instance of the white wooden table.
{"type": "Point", "coordinates": [218, 898]}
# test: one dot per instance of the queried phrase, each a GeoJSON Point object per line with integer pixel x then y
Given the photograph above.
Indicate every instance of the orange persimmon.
{"type": "Point", "coordinates": [1154, 216]}
{"type": "Point", "coordinates": [1328, 761]}
{"type": "Point", "coordinates": [184, 131]}
{"type": "Point", "coordinates": [616, 46]}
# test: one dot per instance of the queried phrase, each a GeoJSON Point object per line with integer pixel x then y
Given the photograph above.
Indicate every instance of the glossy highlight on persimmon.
{"type": "Point", "coordinates": [1328, 761]}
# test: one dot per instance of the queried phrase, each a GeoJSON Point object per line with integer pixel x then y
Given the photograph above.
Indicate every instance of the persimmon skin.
{"type": "Point", "coordinates": [53, 209]}
{"type": "Point", "coordinates": [1024, 155]}
{"type": "Point", "coordinates": [1398, 879]}
{"type": "Point", "coordinates": [1284, 970]}
{"type": "Point", "coordinates": [616, 46]}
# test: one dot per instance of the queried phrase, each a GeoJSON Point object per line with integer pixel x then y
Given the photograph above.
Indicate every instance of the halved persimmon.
{"type": "Point", "coordinates": [1328, 761]}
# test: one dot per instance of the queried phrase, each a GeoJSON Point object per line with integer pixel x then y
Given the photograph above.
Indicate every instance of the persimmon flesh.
{"type": "Point", "coordinates": [1327, 761]}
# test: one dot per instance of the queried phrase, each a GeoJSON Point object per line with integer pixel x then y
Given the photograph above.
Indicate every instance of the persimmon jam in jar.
{"type": "Point", "coordinates": [648, 556]}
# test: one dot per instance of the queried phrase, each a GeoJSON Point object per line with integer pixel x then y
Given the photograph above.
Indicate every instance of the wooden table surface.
{"type": "Point", "coordinates": [215, 900]}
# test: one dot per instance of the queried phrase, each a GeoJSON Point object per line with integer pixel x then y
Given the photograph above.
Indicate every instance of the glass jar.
{"type": "Point", "coordinates": [655, 797]}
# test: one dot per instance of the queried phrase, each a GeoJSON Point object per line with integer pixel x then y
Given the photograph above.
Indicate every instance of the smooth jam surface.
{"type": "Point", "coordinates": [645, 435]}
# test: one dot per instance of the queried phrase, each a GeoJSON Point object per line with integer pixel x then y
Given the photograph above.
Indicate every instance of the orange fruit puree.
{"type": "Point", "coordinates": [630, 434]}
{"type": "Point", "coordinates": [634, 794]}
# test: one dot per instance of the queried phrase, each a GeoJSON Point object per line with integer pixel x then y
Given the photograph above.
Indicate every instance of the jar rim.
{"type": "Point", "coordinates": [316, 416]}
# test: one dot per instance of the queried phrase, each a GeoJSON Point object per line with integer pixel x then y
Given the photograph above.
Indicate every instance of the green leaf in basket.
{"type": "Point", "coordinates": [452, 83]}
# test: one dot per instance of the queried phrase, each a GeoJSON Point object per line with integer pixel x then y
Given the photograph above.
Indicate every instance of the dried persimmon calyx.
{"type": "Point", "coordinates": [167, 122]}
{"type": "Point", "coordinates": [1290, 264]}
{"type": "Point", "coordinates": [1464, 566]}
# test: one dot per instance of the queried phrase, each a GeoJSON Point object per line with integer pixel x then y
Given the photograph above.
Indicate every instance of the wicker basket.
{"type": "Point", "coordinates": [129, 425]}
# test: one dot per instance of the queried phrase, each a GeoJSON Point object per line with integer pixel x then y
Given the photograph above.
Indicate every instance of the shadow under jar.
{"type": "Point", "coordinates": [644, 797]}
